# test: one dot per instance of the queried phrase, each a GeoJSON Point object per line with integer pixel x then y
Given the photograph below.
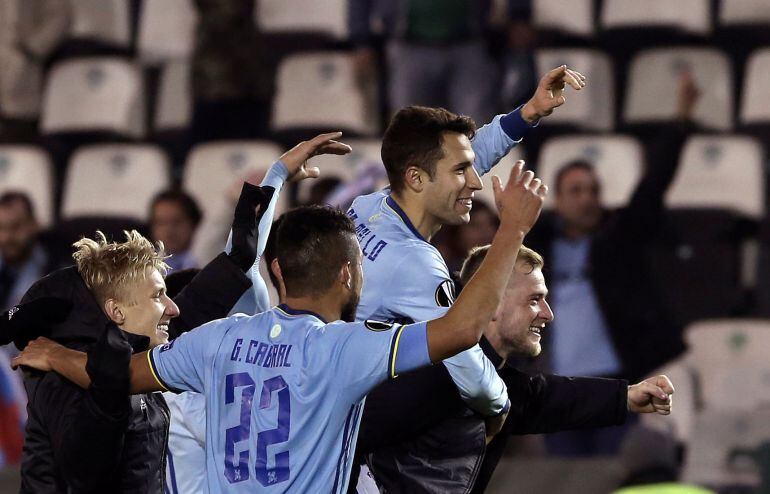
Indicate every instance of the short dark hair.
{"type": "Point", "coordinates": [185, 200]}
{"type": "Point", "coordinates": [578, 164]}
{"type": "Point", "coordinates": [9, 198]}
{"type": "Point", "coordinates": [414, 137]}
{"type": "Point", "coordinates": [313, 243]}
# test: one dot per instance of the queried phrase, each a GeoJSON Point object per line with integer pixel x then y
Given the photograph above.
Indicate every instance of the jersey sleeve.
{"type": "Point", "coordinates": [495, 139]}
{"type": "Point", "coordinates": [258, 299]}
{"type": "Point", "coordinates": [424, 291]}
{"type": "Point", "coordinates": [180, 364]}
{"type": "Point", "coordinates": [371, 352]}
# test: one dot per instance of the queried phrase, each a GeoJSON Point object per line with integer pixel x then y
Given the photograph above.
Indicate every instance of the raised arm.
{"type": "Point", "coordinates": [519, 204]}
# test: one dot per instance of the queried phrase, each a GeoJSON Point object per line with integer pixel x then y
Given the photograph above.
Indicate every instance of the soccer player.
{"type": "Point", "coordinates": [433, 159]}
{"type": "Point", "coordinates": [284, 388]}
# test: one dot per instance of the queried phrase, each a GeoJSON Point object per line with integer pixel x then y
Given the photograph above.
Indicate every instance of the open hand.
{"type": "Point", "coordinates": [549, 93]}
{"type": "Point", "coordinates": [37, 354]}
{"type": "Point", "coordinates": [521, 201]}
{"type": "Point", "coordinates": [296, 158]}
{"type": "Point", "coordinates": [653, 395]}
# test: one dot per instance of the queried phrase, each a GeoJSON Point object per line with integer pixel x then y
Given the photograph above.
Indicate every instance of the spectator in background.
{"type": "Point", "coordinates": [22, 259]}
{"type": "Point", "coordinates": [519, 73]}
{"type": "Point", "coordinates": [614, 320]}
{"type": "Point", "coordinates": [436, 53]}
{"type": "Point", "coordinates": [232, 73]}
{"type": "Point", "coordinates": [174, 218]}
{"type": "Point", "coordinates": [30, 31]}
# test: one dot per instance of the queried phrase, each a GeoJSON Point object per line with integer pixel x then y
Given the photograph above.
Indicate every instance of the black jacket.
{"type": "Point", "coordinates": [72, 445]}
{"type": "Point", "coordinates": [419, 437]}
{"type": "Point", "coordinates": [643, 330]}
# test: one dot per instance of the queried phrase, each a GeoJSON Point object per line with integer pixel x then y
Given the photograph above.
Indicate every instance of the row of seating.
{"type": "Point", "coordinates": [320, 90]}
{"type": "Point", "coordinates": [166, 27]}
{"type": "Point", "coordinates": [717, 171]}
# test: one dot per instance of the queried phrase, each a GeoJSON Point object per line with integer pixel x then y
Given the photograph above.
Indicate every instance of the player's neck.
{"type": "Point", "coordinates": [324, 306]}
{"type": "Point", "coordinates": [497, 344]}
{"type": "Point", "coordinates": [426, 224]}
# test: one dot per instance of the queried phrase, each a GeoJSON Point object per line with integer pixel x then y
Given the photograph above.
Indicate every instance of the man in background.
{"type": "Point", "coordinates": [174, 218]}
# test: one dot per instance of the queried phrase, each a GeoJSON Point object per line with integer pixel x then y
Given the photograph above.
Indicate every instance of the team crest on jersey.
{"type": "Point", "coordinates": [373, 325]}
{"type": "Point", "coordinates": [445, 294]}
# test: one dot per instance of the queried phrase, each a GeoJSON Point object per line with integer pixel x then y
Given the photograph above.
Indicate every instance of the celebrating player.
{"type": "Point", "coordinates": [284, 388]}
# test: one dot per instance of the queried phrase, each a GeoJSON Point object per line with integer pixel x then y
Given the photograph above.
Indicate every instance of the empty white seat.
{"type": "Point", "coordinates": [593, 107]}
{"type": "Point", "coordinates": [723, 172]}
{"type": "Point", "coordinates": [94, 94]}
{"type": "Point", "coordinates": [693, 16]}
{"type": "Point", "coordinates": [213, 173]}
{"type": "Point", "coordinates": [618, 161]}
{"type": "Point", "coordinates": [575, 17]}
{"type": "Point", "coordinates": [28, 169]}
{"type": "Point", "coordinates": [114, 180]}
{"type": "Point", "coordinates": [729, 357]}
{"type": "Point", "coordinates": [173, 109]}
{"type": "Point", "coordinates": [727, 449]}
{"type": "Point", "coordinates": [744, 12]}
{"type": "Point", "coordinates": [319, 90]}
{"type": "Point", "coordinates": [653, 81]}
{"type": "Point", "coordinates": [166, 30]}
{"type": "Point", "coordinates": [502, 170]}
{"type": "Point", "coordinates": [106, 21]}
{"type": "Point", "coordinates": [328, 17]}
{"type": "Point", "coordinates": [754, 107]}
{"type": "Point", "coordinates": [344, 168]}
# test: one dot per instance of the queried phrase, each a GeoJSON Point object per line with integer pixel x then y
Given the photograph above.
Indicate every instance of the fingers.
{"type": "Point", "coordinates": [313, 172]}
{"type": "Point", "coordinates": [497, 189]}
{"type": "Point", "coordinates": [553, 75]}
{"type": "Point", "coordinates": [664, 383]}
{"type": "Point", "coordinates": [526, 178]}
{"type": "Point", "coordinates": [572, 79]}
{"type": "Point", "coordinates": [323, 138]}
{"type": "Point", "coordinates": [333, 147]}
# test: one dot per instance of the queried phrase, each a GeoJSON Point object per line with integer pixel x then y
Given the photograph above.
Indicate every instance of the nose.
{"type": "Point", "coordinates": [546, 313]}
{"type": "Point", "coordinates": [472, 179]}
{"type": "Point", "coordinates": [172, 310]}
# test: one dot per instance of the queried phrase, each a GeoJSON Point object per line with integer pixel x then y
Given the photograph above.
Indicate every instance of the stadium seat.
{"type": "Point", "coordinates": [744, 12]}
{"type": "Point", "coordinates": [729, 357]}
{"type": "Point", "coordinates": [728, 450]}
{"type": "Point", "coordinates": [686, 401]}
{"type": "Point", "coordinates": [342, 168]}
{"type": "Point", "coordinates": [619, 161]}
{"type": "Point", "coordinates": [309, 16]}
{"type": "Point", "coordinates": [754, 109]}
{"type": "Point", "coordinates": [593, 107]}
{"type": "Point", "coordinates": [575, 17]}
{"type": "Point", "coordinates": [720, 172]}
{"type": "Point", "coordinates": [173, 109]}
{"type": "Point", "coordinates": [114, 180]}
{"type": "Point", "coordinates": [102, 94]}
{"type": "Point", "coordinates": [215, 170]}
{"type": "Point", "coordinates": [651, 92]}
{"type": "Point", "coordinates": [102, 21]}
{"type": "Point", "coordinates": [502, 170]}
{"type": "Point", "coordinates": [691, 16]}
{"type": "Point", "coordinates": [166, 30]}
{"type": "Point", "coordinates": [28, 169]}
{"type": "Point", "coordinates": [320, 91]}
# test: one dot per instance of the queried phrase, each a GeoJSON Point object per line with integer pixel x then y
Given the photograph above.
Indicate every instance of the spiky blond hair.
{"type": "Point", "coordinates": [110, 268]}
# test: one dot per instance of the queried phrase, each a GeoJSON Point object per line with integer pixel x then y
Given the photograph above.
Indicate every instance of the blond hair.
{"type": "Point", "coordinates": [110, 268]}
{"type": "Point", "coordinates": [476, 256]}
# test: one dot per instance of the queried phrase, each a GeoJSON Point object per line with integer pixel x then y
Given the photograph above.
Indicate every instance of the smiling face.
{"type": "Point", "coordinates": [448, 195]}
{"type": "Point", "coordinates": [147, 309]}
{"type": "Point", "coordinates": [523, 313]}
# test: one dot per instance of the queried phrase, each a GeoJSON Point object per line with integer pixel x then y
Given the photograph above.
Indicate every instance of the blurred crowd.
{"type": "Point", "coordinates": [626, 275]}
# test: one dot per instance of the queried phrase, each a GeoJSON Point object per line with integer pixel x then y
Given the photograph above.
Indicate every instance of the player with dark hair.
{"type": "Point", "coordinates": [284, 388]}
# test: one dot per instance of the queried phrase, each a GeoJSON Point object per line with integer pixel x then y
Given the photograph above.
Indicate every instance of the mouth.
{"type": "Point", "coordinates": [162, 329]}
{"type": "Point", "coordinates": [536, 330]}
{"type": "Point", "coordinates": [466, 202]}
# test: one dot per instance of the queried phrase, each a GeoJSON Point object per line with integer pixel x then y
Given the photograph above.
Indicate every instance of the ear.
{"type": "Point", "coordinates": [276, 269]}
{"type": "Point", "coordinates": [498, 313]}
{"type": "Point", "coordinates": [346, 275]}
{"type": "Point", "coordinates": [114, 311]}
{"type": "Point", "coordinates": [415, 178]}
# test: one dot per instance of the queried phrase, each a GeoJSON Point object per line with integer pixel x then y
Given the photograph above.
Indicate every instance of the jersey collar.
{"type": "Point", "coordinates": [297, 312]}
{"type": "Point", "coordinates": [393, 205]}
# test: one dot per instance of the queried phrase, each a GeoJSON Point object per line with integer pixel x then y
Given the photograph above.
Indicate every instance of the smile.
{"type": "Point", "coordinates": [467, 202]}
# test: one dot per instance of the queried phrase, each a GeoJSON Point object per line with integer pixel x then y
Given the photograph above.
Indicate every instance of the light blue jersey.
{"type": "Point", "coordinates": [186, 459]}
{"type": "Point", "coordinates": [284, 393]}
{"type": "Point", "coordinates": [406, 279]}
